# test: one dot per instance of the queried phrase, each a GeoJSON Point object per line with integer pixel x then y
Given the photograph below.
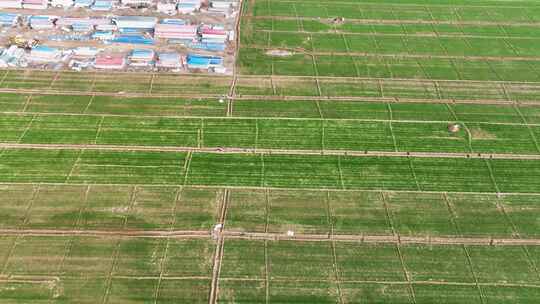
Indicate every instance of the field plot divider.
{"type": "Point", "coordinates": [469, 133]}
{"type": "Point", "coordinates": [266, 274]}
{"type": "Point", "coordinates": [413, 172]}
{"type": "Point", "coordinates": [4, 78]}
{"type": "Point", "coordinates": [318, 104]}
{"type": "Point", "coordinates": [266, 209]}
{"type": "Point", "coordinates": [348, 48]}
{"type": "Point", "coordinates": [69, 245]}
{"type": "Point", "coordinates": [27, 128]}
{"type": "Point", "coordinates": [390, 120]}
{"type": "Point", "coordinates": [187, 166]}
{"type": "Point", "coordinates": [262, 170]}
{"type": "Point", "coordinates": [218, 253]}
{"type": "Point", "coordinates": [93, 84]}
{"type": "Point", "coordinates": [406, 272]}
{"type": "Point", "coordinates": [336, 271]}
{"type": "Point", "coordinates": [200, 134]}
{"type": "Point", "coordinates": [299, 22]}
{"type": "Point", "coordinates": [323, 130]}
{"type": "Point", "coordinates": [395, 233]}
{"type": "Point", "coordinates": [525, 122]}
{"type": "Point", "coordinates": [53, 81]}
{"type": "Point", "coordinates": [151, 87]}
{"type": "Point", "coordinates": [453, 217]}
{"type": "Point", "coordinates": [177, 199]}
{"type": "Point", "coordinates": [530, 259]}
{"type": "Point", "coordinates": [74, 165]}
{"type": "Point", "coordinates": [98, 129]}
{"type": "Point", "coordinates": [492, 176]}
{"type": "Point", "coordinates": [116, 253]}
{"type": "Point", "coordinates": [29, 206]}
{"type": "Point", "coordinates": [27, 103]}
{"type": "Point", "coordinates": [341, 180]}
{"type": "Point", "coordinates": [315, 68]}
{"type": "Point", "coordinates": [89, 104]}
{"type": "Point", "coordinates": [256, 120]}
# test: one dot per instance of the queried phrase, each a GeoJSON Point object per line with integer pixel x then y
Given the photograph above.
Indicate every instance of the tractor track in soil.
{"type": "Point", "coordinates": [219, 150]}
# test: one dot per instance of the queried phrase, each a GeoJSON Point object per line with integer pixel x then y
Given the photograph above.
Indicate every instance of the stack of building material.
{"type": "Point", "coordinates": [42, 22]}
{"type": "Point", "coordinates": [9, 20]}
{"type": "Point", "coordinates": [133, 39]}
{"type": "Point", "coordinates": [213, 34]}
{"type": "Point", "coordinates": [110, 62]}
{"type": "Point", "coordinates": [102, 5]}
{"type": "Point", "coordinates": [84, 24]}
{"type": "Point", "coordinates": [86, 51]}
{"type": "Point", "coordinates": [142, 58]}
{"type": "Point", "coordinates": [222, 7]}
{"type": "Point", "coordinates": [11, 4]}
{"type": "Point", "coordinates": [137, 3]}
{"type": "Point", "coordinates": [207, 46]}
{"type": "Point", "coordinates": [175, 31]}
{"type": "Point", "coordinates": [69, 37]}
{"type": "Point", "coordinates": [44, 54]}
{"type": "Point", "coordinates": [83, 3]}
{"type": "Point", "coordinates": [188, 6]}
{"type": "Point", "coordinates": [103, 35]}
{"type": "Point", "coordinates": [166, 7]}
{"type": "Point", "coordinates": [35, 4]}
{"type": "Point", "coordinates": [13, 57]}
{"type": "Point", "coordinates": [61, 3]}
{"type": "Point", "coordinates": [173, 21]}
{"type": "Point", "coordinates": [169, 60]}
{"type": "Point", "coordinates": [136, 22]}
{"type": "Point", "coordinates": [203, 62]}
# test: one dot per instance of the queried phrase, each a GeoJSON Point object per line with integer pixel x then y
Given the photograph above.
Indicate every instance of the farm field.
{"type": "Point", "coordinates": [373, 151]}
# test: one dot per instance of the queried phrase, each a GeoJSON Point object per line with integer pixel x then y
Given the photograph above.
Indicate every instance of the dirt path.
{"type": "Point", "coordinates": [398, 21]}
{"type": "Point", "coordinates": [270, 151]}
{"type": "Point", "coordinates": [274, 118]}
{"type": "Point", "coordinates": [220, 236]}
{"type": "Point", "coordinates": [424, 34]}
{"type": "Point", "coordinates": [399, 55]}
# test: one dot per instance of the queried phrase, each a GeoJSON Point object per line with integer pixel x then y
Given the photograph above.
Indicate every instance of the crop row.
{"type": "Point", "coordinates": [527, 12]}
{"type": "Point", "coordinates": [354, 273]}
{"type": "Point", "coordinates": [105, 270]}
{"type": "Point", "coordinates": [324, 109]}
{"type": "Point", "coordinates": [279, 171]}
{"type": "Point", "coordinates": [255, 61]}
{"type": "Point", "coordinates": [393, 29]}
{"type": "Point", "coordinates": [400, 45]}
{"type": "Point", "coordinates": [265, 85]}
{"type": "Point", "coordinates": [102, 207]}
{"type": "Point", "coordinates": [269, 134]}
{"type": "Point", "coordinates": [158, 83]}
{"type": "Point", "coordinates": [387, 88]}
{"type": "Point", "coordinates": [113, 270]}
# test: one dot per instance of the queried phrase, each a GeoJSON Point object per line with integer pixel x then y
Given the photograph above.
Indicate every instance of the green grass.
{"type": "Point", "coordinates": [418, 213]}
{"type": "Point", "coordinates": [437, 263]}
{"type": "Point", "coordinates": [106, 207]}
{"type": "Point", "coordinates": [502, 264]}
{"type": "Point", "coordinates": [389, 173]}
{"type": "Point", "coordinates": [479, 216]}
{"type": "Point", "coordinates": [100, 207]}
{"type": "Point", "coordinates": [511, 294]}
{"type": "Point", "coordinates": [446, 294]}
{"type": "Point", "coordinates": [378, 263]}
{"type": "Point", "coordinates": [14, 199]}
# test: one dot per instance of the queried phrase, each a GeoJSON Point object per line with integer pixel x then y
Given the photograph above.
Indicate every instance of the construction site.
{"type": "Point", "coordinates": [188, 36]}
